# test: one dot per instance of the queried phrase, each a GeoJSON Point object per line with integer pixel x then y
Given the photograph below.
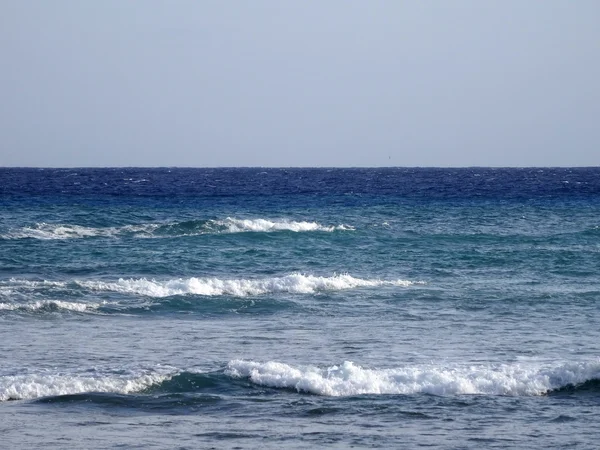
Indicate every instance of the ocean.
{"type": "Point", "coordinates": [300, 308]}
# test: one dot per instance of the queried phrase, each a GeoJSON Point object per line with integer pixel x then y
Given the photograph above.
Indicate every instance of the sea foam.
{"type": "Point", "coordinates": [350, 379]}
{"type": "Point", "coordinates": [50, 305]}
{"type": "Point", "coordinates": [293, 284]}
{"type": "Point", "coordinates": [46, 231]}
{"type": "Point", "coordinates": [30, 386]}
{"type": "Point", "coordinates": [50, 231]}
{"type": "Point", "coordinates": [233, 225]}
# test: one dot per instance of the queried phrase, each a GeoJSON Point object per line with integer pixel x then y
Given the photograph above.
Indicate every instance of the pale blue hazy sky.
{"type": "Point", "coordinates": [302, 83]}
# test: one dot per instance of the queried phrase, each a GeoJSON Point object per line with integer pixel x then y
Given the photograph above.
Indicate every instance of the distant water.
{"type": "Point", "coordinates": [297, 308]}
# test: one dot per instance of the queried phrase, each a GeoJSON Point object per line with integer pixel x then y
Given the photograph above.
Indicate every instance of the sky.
{"type": "Point", "coordinates": [306, 83]}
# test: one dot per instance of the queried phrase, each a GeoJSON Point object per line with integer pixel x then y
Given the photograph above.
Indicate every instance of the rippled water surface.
{"type": "Point", "coordinates": [295, 308]}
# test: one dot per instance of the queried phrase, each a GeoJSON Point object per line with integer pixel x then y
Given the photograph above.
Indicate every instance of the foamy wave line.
{"type": "Point", "coordinates": [48, 231]}
{"type": "Point", "coordinates": [263, 225]}
{"type": "Point", "coordinates": [350, 379]}
{"type": "Point", "coordinates": [293, 284]}
{"type": "Point", "coordinates": [50, 305]}
{"type": "Point", "coordinates": [24, 387]}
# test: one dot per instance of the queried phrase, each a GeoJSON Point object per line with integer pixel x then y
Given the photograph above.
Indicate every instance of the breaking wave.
{"type": "Point", "coordinates": [263, 225]}
{"type": "Point", "coordinates": [293, 284]}
{"type": "Point", "coordinates": [350, 379]}
{"type": "Point", "coordinates": [49, 231]}
{"type": "Point", "coordinates": [50, 306]}
{"type": "Point", "coordinates": [347, 379]}
{"type": "Point", "coordinates": [32, 386]}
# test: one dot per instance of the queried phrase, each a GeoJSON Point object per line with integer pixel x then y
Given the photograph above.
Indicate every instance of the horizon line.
{"type": "Point", "coordinates": [295, 167]}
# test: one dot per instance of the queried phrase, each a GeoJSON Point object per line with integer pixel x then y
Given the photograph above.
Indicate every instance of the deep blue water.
{"type": "Point", "coordinates": [295, 308]}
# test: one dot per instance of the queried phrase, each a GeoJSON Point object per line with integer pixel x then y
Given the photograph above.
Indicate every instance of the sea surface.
{"type": "Point", "coordinates": [300, 308]}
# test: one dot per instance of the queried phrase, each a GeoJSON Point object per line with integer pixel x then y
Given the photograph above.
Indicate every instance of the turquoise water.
{"type": "Point", "coordinates": [245, 308]}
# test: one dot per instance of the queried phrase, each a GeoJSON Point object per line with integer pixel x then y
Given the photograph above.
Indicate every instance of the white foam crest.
{"type": "Point", "coordinates": [18, 283]}
{"type": "Point", "coordinates": [294, 284]}
{"type": "Point", "coordinates": [47, 231]}
{"type": "Point", "coordinates": [50, 305]}
{"type": "Point", "coordinates": [50, 231]}
{"type": "Point", "coordinates": [24, 387]}
{"type": "Point", "coordinates": [351, 379]}
{"type": "Point", "coordinates": [233, 225]}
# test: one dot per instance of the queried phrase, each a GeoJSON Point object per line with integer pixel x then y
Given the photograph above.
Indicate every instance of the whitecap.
{"type": "Point", "coordinates": [293, 284]}
{"type": "Point", "coordinates": [31, 386]}
{"type": "Point", "coordinates": [51, 305]}
{"type": "Point", "coordinates": [349, 379]}
{"type": "Point", "coordinates": [47, 231]}
{"type": "Point", "coordinates": [233, 225]}
{"type": "Point", "coordinates": [53, 231]}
